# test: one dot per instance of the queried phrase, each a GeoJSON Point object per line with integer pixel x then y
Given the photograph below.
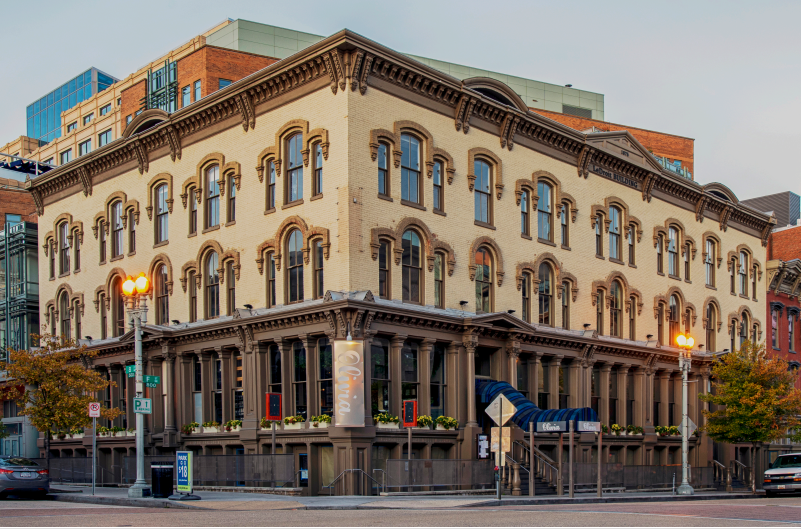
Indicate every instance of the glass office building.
{"type": "Point", "coordinates": [44, 115]}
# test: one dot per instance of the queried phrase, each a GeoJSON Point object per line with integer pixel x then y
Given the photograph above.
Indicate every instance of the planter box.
{"type": "Point", "coordinates": [440, 427]}
{"type": "Point", "coordinates": [296, 426]}
{"type": "Point", "coordinates": [421, 428]}
{"type": "Point", "coordinates": [321, 425]}
{"type": "Point", "coordinates": [120, 434]}
{"type": "Point", "coordinates": [232, 430]}
{"type": "Point", "coordinates": [130, 434]}
{"type": "Point", "coordinates": [387, 425]}
{"type": "Point", "coordinates": [211, 429]}
{"type": "Point", "coordinates": [103, 434]}
{"type": "Point", "coordinates": [77, 436]}
{"type": "Point", "coordinates": [270, 428]}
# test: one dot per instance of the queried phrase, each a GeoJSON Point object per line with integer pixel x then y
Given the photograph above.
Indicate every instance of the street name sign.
{"type": "Point", "coordinates": [152, 381]}
{"type": "Point", "coordinates": [130, 371]}
{"type": "Point", "coordinates": [142, 405]}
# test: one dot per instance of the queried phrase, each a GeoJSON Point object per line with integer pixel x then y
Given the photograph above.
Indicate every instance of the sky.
{"type": "Point", "coordinates": [726, 73]}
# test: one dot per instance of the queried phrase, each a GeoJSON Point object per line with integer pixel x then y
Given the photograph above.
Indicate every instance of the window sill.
{"type": "Point", "coordinates": [660, 274]}
{"type": "Point", "coordinates": [632, 265]}
{"type": "Point", "coordinates": [566, 248]}
{"type": "Point", "coordinates": [546, 241]}
{"type": "Point", "coordinates": [616, 261]}
{"type": "Point", "coordinates": [53, 278]}
{"type": "Point", "coordinates": [439, 212]}
{"type": "Point", "coordinates": [230, 223]}
{"type": "Point", "coordinates": [688, 281]}
{"type": "Point", "coordinates": [213, 228]}
{"type": "Point", "coordinates": [102, 262]}
{"type": "Point", "coordinates": [386, 197]}
{"type": "Point", "coordinates": [484, 224]}
{"type": "Point", "coordinates": [77, 270]}
{"type": "Point", "coordinates": [527, 237]}
{"type": "Point", "coordinates": [600, 257]}
{"type": "Point", "coordinates": [671, 276]}
{"type": "Point", "coordinates": [744, 296]}
{"type": "Point", "coordinates": [119, 257]}
{"type": "Point", "coordinates": [131, 254]}
{"type": "Point", "coordinates": [292, 204]}
{"type": "Point", "coordinates": [318, 196]}
{"type": "Point", "coordinates": [414, 205]}
{"type": "Point", "coordinates": [268, 211]}
{"type": "Point", "coordinates": [710, 287]}
{"type": "Point", "coordinates": [193, 234]}
{"type": "Point", "coordinates": [65, 274]}
{"type": "Point", "coordinates": [160, 244]}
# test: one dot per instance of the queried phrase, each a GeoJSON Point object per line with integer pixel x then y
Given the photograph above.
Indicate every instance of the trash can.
{"type": "Point", "coordinates": [162, 476]}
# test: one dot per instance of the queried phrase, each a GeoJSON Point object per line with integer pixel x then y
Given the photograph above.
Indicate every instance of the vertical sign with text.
{"type": "Point", "coordinates": [184, 470]}
{"type": "Point", "coordinates": [348, 383]}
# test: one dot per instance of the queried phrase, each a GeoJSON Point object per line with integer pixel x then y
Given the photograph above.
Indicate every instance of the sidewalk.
{"type": "Point", "coordinates": [237, 501]}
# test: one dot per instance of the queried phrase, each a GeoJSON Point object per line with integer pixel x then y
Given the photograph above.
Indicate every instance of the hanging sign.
{"type": "Point", "coordinates": [348, 383]}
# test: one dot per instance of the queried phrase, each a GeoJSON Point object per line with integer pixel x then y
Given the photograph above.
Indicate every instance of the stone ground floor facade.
{"type": "Point", "coordinates": [221, 370]}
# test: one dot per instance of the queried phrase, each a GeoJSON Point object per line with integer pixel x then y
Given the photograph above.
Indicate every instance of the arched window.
{"type": "Point", "coordinates": [733, 268]}
{"type": "Point", "coordinates": [709, 266]}
{"type": "Point", "coordinates": [545, 295]}
{"type": "Point", "coordinates": [754, 332]}
{"type": "Point", "coordinates": [295, 268]}
{"type": "Point", "coordinates": [673, 252]}
{"type": "Point", "coordinates": [410, 168]}
{"type": "Point", "coordinates": [524, 227]}
{"type": "Point", "coordinates": [743, 274]}
{"type": "Point", "coordinates": [439, 193]}
{"type": "Point", "coordinates": [483, 280]}
{"type": "Point", "coordinates": [632, 318]}
{"type": "Point", "coordinates": [271, 280]}
{"type": "Point", "coordinates": [599, 311]}
{"type": "Point", "coordinates": [674, 320]}
{"type": "Point", "coordinates": [64, 249]}
{"type": "Point", "coordinates": [192, 211]}
{"type": "Point", "coordinates": [212, 280]}
{"type": "Point", "coordinates": [271, 186]}
{"type": "Point", "coordinates": [319, 289]}
{"type": "Point", "coordinates": [632, 248]}
{"type": "Point", "coordinates": [317, 149]}
{"type": "Point", "coordinates": [383, 170]}
{"type": "Point", "coordinates": [754, 277]}
{"type": "Point", "coordinates": [614, 234]}
{"type": "Point", "coordinates": [76, 248]}
{"type": "Point", "coordinates": [525, 290]}
{"type": "Point", "coordinates": [77, 311]}
{"type": "Point", "coordinates": [792, 318]}
{"type": "Point", "coordinates": [483, 197]}
{"type": "Point", "coordinates": [117, 308]}
{"type": "Point", "coordinates": [687, 262]}
{"type": "Point", "coordinates": [565, 233]}
{"type": "Point", "coordinates": [116, 229]}
{"type": "Point", "coordinates": [660, 267]}
{"type": "Point", "coordinates": [412, 267]}
{"type": "Point", "coordinates": [102, 245]}
{"type": "Point", "coordinates": [192, 280]}
{"type": "Point", "coordinates": [66, 321]}
{"type": "Point", "coordinates": [711, 323]}
{"type": "Point", "coordinates": [615, 305]}
{"type": "Point", "coordinates": [294, 173]}
{"type": "Point", "coordinates": [660, 324]}
{"type": "Point", "coordinates": [599, 243]}
{"type": "Point", "coordinates": [566, 293]}
{"type": "Point", "coordinates": [230, 183]}
{"type": "Point", "coordinates": [230, 280]}
{"type": "Point", "coordinates": [733, 334]}
{"type": "Point", "coordinates": [384, 259]}
{"type": "Point", "coordinates": [687, 321]}
{"type": "Point", "coordinates": [544, 211]}
{"type": "Point", "coordinates": [103, 317]}
{"type": "Point", "coordinates": [744, 327]}
{"type": "Point", "coordinates": [439, 280]}
{"type": "Point", "coordinates": [131, 232]}
{"type": "Point", "coordinates": [212, 196]}
{"type": "Point", "coordinates": [162, 220]}
{"type": "Point", "coordinates": [162, 296]}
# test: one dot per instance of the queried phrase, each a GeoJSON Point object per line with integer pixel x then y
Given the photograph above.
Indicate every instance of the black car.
{"type": "Point", "coordinates": [20, 476]}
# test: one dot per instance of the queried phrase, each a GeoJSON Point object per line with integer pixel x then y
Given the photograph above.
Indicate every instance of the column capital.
{"type": "Point", "coordinates": [427, 344]}
{"type": "Point", "coordinates": [556, 360]}
{"type": "Point", "coordinates": [470, 342]}
{"type": "Point", "coordinates": [606, 367]}
{"type": "Point", "coordinates": [453, 348]}
{"type": "Point", "coordinates": [623, 368]}
{"type": "Point", "coordinates": [398, 339]}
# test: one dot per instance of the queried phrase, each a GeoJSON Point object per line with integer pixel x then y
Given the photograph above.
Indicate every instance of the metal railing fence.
{"type": "Point", "coordinates": [243, 470]}
{"type": "Point", "coordinates": [439, 474]}
{"type": "Point", "coordinates": [78, 470]}
{"type": "Point", "coordinates": [634, 477]}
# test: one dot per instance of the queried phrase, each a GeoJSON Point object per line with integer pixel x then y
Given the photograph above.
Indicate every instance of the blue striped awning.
{"type": "Point", "coordinates": [527, 411]}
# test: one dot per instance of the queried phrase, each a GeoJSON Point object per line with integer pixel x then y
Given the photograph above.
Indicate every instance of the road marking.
{"type": "Point", "coordinates": [639, 514]}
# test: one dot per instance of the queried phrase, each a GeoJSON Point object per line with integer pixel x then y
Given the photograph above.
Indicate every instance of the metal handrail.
{"type": "Point", "coordinates": [742, 471]}
{"type": "Point", "coordinates": [541, 464]}
{"type": "Point", "coordinates": [330, 486]}
{"type": "Point", "coordinates": [509, 458]}
{"type": "Point", "coordinates": [294, 479]}
{"type": "Point", "coordinates": [721, 474]}
{"type": "Point", "coordinates": [383, 473]}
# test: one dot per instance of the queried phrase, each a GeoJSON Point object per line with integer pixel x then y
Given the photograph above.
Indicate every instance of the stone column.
{"type": "Point", "coordinates": [664, 398]}
{"type": "Point", "coordinates": [424, 377]}
{"type": "Point", "coordinates": [513, 355]}
{"type": "Point", "coordinates": [207, 384]}
{"type": "Point", "coordinates": [640, 399]}
{"type": "Point", "coordinates": [169, 391]}
{"type": "Point", "coordinates": [227, 360]}
{"type": "Point", "coordinates": [649, 397]}
{"type": "Point", "coordinates": [395, 374]}
{"type": "Point", "coordinates": [368, 374]}
{"type": "Point", "coordinates": [157, 396]}
{"type": "Point", "coordinates": [553, 379]}
{"type": "Point", "coordinates": [287, 398]}
{"type": "Point", "coordinates": [260, 378]}
{"type": "Point", "coordinates": [622, 395]}
{"type": "Point", "coordinates": [603, 407]}
{"type": "Point", "coordinates": [676, 381]}
{"type": "Point", "coordinates": [574, 383]}
{"type": "Point", "coordinates": [470, 343]}
{"type": "Point", "coordinates": [114, 376]}
{"type": "Point", "coordinates": [454, 383]}
{"type": "Point", "coordinates": [312, 362]}
{"type": "Point", "coordinates": [186, 383]}
{"type": "Point", "coordinates": [534, 377]}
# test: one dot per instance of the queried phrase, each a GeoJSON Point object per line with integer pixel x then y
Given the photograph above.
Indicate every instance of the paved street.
{"type": "Point", "coordinates": [435, 512]}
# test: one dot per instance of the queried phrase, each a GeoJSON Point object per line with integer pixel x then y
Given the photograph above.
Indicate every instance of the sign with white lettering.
{"type": "Point", "coordinates": [142, 405]}
{"type": "Point", "coordinates": [589, 426]}
{"type": "Point", "coordinates": [348, 383]}
{"type": "Point", "coordinates": [611, 175]}
{"type": "Point", "coordinates": [184, 467]}
{"type": "Point", "coordinates": [552, 427]}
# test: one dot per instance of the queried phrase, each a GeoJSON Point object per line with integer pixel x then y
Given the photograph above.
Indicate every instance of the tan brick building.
{"type": "Point", "coordinates": [349, 189]}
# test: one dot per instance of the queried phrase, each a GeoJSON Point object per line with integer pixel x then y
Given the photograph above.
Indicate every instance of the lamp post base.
{"type": "Point", "coordinates": [685, 490]}
{"type": "Point", "coordinates": [139, 491]}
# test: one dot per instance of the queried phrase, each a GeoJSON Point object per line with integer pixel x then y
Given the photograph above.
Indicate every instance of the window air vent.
{"type": "Point", "coordinates": [577, 111]}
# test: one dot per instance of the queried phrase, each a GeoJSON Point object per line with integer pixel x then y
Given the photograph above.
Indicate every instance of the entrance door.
{"type": "Point", "coordinates": [303, 464]}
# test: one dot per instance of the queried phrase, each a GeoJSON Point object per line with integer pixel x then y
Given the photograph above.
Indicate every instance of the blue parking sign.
{"type": "Point", "coordinates": [184, 469]}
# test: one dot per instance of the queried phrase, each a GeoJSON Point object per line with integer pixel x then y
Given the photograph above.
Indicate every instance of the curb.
{"type": "Point", "coordinates": [124, 502]}
{"type": "Point", "coordinates": [629, 499]}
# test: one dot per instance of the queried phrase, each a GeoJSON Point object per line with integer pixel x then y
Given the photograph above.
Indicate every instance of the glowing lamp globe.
{"type": "Point", "coordinates": [142, 283]}
{"type": "Point", "coordinates": [129, 287]}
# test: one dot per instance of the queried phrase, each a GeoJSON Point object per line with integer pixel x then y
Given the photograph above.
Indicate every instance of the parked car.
{"type": "Point", "coordinates": [784, 475]}
{"type": "Point", "coordinates": [20, 476]}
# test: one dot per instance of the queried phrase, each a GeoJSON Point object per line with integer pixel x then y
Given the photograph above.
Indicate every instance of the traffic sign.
{"type": "Point", "coordinates": [130, 371]}
{"type": "Point", "coordinates": [94, 409]}
{"type": "Point", "coordinates": [151, 381]}
{"type": "Point", "coordinates": [691, 424]}
{"type": "Point", "coordinates": [494, 410]}
{"type": "Point", "coordinates": [184, 469]}
{"type": "Point", "coordinates": [142, 405]}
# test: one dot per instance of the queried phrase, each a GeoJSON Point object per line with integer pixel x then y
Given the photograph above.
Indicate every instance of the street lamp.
{"type": "Point", "coordinates": [685, 343]}
{"type": "Point", "coordinates": [136, 301]}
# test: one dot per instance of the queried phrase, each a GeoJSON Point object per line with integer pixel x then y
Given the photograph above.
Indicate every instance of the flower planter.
{"type": "Point", "coordinates": [233, 429]}
{"type": "Point", "coordinates": [103, 434]}
{"type": "Point", "coordinates": [296, 426]}
{"type": "Point", "coordinates": [77, 436]}
{"type": "Point", "coordinates": [211, 429]}
{"type": "Point", "coordinates": [120, 434]}
{"type": "Point", "coordinates": [270, 428]}
{"type": "Point", "coordinates": [440, 427]}
{"type": "Point", "coordinates": [130, 434]}
{"type": "Point", "coordinates": [387, 425]}
{"type": "Point", "coordinates": [321, 425]}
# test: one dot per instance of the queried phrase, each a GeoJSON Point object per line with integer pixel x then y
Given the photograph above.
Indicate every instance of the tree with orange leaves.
{"type": "Point", "coordinates": [53, 385]}
{"type": "Point", "coordinates": [756, 399]}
